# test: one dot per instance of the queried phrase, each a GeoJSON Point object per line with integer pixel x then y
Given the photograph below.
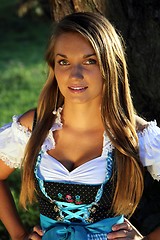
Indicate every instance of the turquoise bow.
{"type": "Point", "coordinates": [75, 231]}
{"type": "Point", "coordinates": [63, 232]}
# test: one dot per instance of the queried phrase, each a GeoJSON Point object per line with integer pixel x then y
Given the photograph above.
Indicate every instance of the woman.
{"type": "Point", "coordinates": [84, 159]}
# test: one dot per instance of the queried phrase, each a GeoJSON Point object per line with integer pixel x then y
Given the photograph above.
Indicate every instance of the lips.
{"type": "Point", "coordinates": [77, 88]}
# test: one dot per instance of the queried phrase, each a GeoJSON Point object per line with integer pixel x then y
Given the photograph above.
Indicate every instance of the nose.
{"type": "Point", "coordinates": [76, 72]}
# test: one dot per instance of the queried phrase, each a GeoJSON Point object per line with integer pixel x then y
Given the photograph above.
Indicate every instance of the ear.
{"type": "Point", "coordinates": [141, 124]}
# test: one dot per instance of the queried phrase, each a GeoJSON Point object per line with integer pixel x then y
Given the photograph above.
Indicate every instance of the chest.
{"type": "Point", "coordinates": [73, 148]}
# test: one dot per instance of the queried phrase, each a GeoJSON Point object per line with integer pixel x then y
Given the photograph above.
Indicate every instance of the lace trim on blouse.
{"type": "Point", "coordinates": [150, 128]}
{"type": "Point", "coordinates": [11, 163]}
{"type": "Point", "coordinates": [14, 137]}
{"type": "Point", "coordinates": [149, 144]}
{"type": "Point", "coordinates": [19, 129]}
{"type": "Point", "coordinates": [49, 142]}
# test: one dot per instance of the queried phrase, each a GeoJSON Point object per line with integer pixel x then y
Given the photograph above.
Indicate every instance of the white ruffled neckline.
{"type": "Point", "coordinates": [23, 132]}
{"type": "Point", "coordinates": [149, 129]}
{"type": "Point", "coordinates": [49, 142]}
{"type": "Point", "coordinates": [20, 128]}
{"type": "Point", "coordinates": [16, 137]}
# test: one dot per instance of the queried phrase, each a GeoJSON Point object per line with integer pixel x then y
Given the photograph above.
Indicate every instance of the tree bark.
{"type": "Point", "coordinates": [139, 23]}
{"type": "Point", "coordinates": [62, 8]}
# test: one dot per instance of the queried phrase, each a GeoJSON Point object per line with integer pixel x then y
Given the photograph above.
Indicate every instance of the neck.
{"type": "Point", "coordinates": [82, 116]}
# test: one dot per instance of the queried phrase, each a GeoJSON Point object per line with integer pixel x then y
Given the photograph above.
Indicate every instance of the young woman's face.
{"type": "Point", "coordinates": [76, 69]}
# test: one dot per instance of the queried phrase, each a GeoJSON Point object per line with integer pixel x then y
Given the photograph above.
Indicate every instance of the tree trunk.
{"type": "Point", "coordinates": [139, 23]}
{"type": "Point", "coordinates": [62, 8]}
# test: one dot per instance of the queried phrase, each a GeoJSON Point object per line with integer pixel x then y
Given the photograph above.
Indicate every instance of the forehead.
{"type": "Point", "coordinates": [72, 42]}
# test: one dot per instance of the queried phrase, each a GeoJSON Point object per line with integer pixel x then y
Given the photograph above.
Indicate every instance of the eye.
{"type": "Point", "coordinates": [63, 62]}
{"type": "Point", "coordinates": [90, 61]}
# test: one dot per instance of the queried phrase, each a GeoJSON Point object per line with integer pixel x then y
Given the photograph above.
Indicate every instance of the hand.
{"type": "Point", "coordinates": [124, 231]}
{"type": "Point", "coordinates": [36, 234]}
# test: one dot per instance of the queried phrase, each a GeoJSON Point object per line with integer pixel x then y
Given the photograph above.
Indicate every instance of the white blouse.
{"type": "Point", "coordinates": [14, 137]}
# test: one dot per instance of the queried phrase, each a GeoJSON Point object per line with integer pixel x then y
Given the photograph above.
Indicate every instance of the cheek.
{"type": "Point", "coordinates": [98, 80]}
{"type": "Point", "coordinates": [58, 73]}
{"type": "Point", "coordinates": [99, 85]}
{"type": "Point", "coordinates": [61, 82]}
{"type": "Point", "coordinates": [60, 76]}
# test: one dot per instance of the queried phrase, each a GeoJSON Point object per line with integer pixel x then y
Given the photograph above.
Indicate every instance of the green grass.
{"type": "Point", "coordinates": [22, 75]}
{"type": "Point", "coordinates": [22, 65]}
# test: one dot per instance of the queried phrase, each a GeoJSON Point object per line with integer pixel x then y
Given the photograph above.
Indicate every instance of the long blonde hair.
{"type": "Point", "coordinates": [117, 110]}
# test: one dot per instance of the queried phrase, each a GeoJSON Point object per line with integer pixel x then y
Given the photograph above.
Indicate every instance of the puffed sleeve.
{"type": "Point", "coordinates": [149, 149]}
{"type": "Point", "coordinates": [13, 140]}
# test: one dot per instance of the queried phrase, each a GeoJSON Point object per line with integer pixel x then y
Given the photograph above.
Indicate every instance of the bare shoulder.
{"type": "Point", "coordinates": [141, 124]}
{"type": "Point", "coordinates": [27, 118]}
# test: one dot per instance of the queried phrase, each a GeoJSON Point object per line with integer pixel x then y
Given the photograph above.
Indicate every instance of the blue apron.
{"type": "Point", "coordinates": [76, 231]}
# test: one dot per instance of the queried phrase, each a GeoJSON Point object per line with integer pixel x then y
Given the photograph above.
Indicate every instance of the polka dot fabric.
{"type": "Point", "coordinates": [77, 194]}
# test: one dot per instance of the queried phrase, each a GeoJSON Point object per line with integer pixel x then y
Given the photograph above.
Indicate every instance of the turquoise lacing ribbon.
{"type": "Point", "coordinates": [72, 210]}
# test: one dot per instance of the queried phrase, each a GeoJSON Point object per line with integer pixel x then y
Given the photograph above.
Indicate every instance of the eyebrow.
{"type": "Point", "coordinates": [89, 55]}
{"type": "Point", "coordinates": [61, 55]}
{"type": "Point", "coordinates": [85, 56]}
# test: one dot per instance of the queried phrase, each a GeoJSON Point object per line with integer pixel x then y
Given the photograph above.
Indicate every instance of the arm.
{"type": "Point", "coordinates": [146, 209]}
{"type": "Point", "coordinates": [9, 215]}
{"type": "Point", "coordinates": [8, 212]}
{"type": "Point", "coordinates": [155, 235]}
{"type": "Point", "coordinates": [127, 231]}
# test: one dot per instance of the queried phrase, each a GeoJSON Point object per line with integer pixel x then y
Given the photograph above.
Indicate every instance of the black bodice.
{"type": "Point", "coordinates": [75, 194]}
